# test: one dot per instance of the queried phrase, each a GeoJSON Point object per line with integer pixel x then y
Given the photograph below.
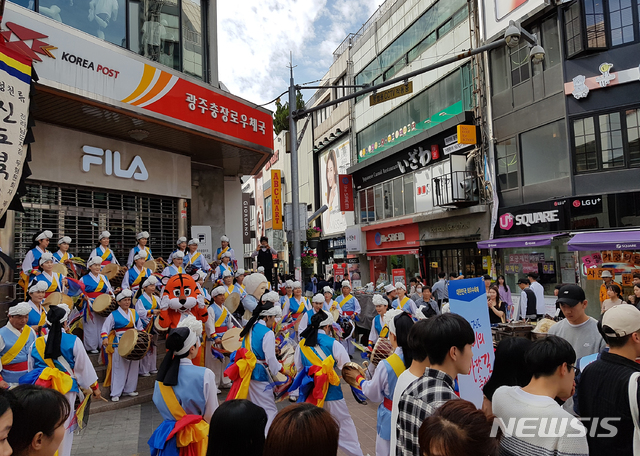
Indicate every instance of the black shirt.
{"type": "Point", "coordinates": [493, 318]}
{"type": "Point", "coordinates": [603, 392]}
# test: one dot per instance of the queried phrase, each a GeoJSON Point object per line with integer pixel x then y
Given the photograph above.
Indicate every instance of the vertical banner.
{"type": "Point", "coordinates": [346, 193]}
{"type": "Point", "coordinates": [468, 298]}
{"type": "Point", "coordinates": [276, 199]}
{"type": "Point", "coordinates": [246, 218]}
{"type": "Point", "coordinates": [15, 81]}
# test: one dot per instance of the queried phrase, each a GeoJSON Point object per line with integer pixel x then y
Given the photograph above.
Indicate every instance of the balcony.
{"type": "Point", "coordinates": [455, 189]}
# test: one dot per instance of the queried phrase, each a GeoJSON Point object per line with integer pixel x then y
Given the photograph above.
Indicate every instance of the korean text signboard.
{"type": "Point", "coordinates": [391, 93]}
{"type": "Point", "coordinates": [15, 80]}
{"type": "Point", "coordinates": [468, 298]}
{"type": "Point", "coordinates": [276, 199]}
{"type": "Point", "coordinates": [346, 193]}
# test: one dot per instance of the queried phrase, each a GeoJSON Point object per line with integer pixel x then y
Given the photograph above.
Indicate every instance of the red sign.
{"type": "Point", "coordinates": [346, 192]}
{"type": "Point", "coordinates": [399, 275]}
{"type": "Point", "coordinates": [273, 160]}
{"type": "Point", "coordinates": [394, 237]}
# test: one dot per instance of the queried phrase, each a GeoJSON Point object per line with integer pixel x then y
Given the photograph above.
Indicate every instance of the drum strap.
{"type": "Point", "coordinates": [346, 300]}
{"type": "Point", "coordinates": [222, 318]}
{"type": "Point", "coordinates": [396, 364]}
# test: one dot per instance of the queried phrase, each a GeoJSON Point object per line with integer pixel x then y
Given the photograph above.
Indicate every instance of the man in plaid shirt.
{"type": "Point", "coordinates": [450, 354]}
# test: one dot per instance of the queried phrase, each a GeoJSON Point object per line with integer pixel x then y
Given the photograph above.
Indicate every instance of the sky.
{"type": "Point", "coordinates": [255, 38]}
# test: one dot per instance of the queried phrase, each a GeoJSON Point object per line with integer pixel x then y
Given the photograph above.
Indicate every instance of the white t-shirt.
{"type": "Point", "coordinates": [405, 379]}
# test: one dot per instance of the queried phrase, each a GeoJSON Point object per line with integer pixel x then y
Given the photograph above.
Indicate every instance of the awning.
{"type": "Point", "coordinates": [373, 253]}
{"type": "Point", "coordinates": [522, 241]}
{"type": "Point", "coordinates": [609, 240]}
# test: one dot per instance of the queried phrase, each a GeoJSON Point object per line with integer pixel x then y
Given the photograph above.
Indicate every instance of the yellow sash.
{"type": "Point", "coordinates": [60, 381]}
{"type": "Point", "coordinates": [17, 347]}
{"type": "Point", "coordinates": [55, 282]}
{"type": "Point", "coordinates": [229, 291]}
{"type": "Point", "coordinates": [396, 364]}
{"type": "Point", "coordinates": [43, 317]}
{"type": "Point", "coordinates": [245, 368]}
{"type": "Point", "coordinates": [222, 252]}
{"type": "Point", "coordinates": [403, 302]}
{"type": "Point", "coordinates": [346, 300]}
{"type": "Point", "coordinates": [100, 283]}
{"type": "Point", "coordinates": [194, 433]}
{"type": "Point", "coordinates": [194, 257]}
{"type": "Point", "coordinates": [139, 278]}
{"type": "Point", "coordinates": [223, 317]}
{"type": "Point", "coordinates": [327, 368]}
{"type": "Point", "coordinates": [109, 349]}
{"type": "Point", "coordinates": [64, 257]}
{"type": "Point", "coordinates": [154, 302]}
{"type": "Point", "coordinates": [106, 254]}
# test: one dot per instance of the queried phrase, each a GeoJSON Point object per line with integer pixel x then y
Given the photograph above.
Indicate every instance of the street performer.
{"type": "Point", "coordinates": [143, 239]}
{"type": "Point", "coordinates": [258, 350]}
{"type": "Point", "coordinates": [217, 324]}
{"type": "Point", "coordinates": [297, 305]}
{"type": "Point", "coordinates": [404, 302]}
{"type": "Point", "coordinates": [194, 259]}
{"type": "Point", "coordinates": [103, 251]}
{"type": "Point", "coordinates": [182, 247]}
{"type": "Point", "coordinates": [31, 263]}
{"type": "Point", "coordinates": [37, 315]}
{"type": "Point", "coordinates": [317, 304]}
{"type": "Point", "coordinates": [224, 266]}
{"type": "Point", "coordinates": [54, 280]}
{"type": "Point", "coordinates": [350, 308]}
{"type": "Point", "coordinates": [319, 384]}
{"type": "Point", "coordinates": [95, 284]}
{"type": "Point", "coordinates": [225, 248]}
{"type": "Point", "coordinates": [16, 339]}
{"type": "Point", "coordinates": [377, 324]}
{"type": "Point", "coordinates": [185, 395]}
{"type": "Point", "coordinates": [63, 254]}
{"type": "Point", "coordinates": [148, 307]}
{"type": "Point", "coordinates": [136, 276]}
{"type": "Point", "coordinates": [176, 266]}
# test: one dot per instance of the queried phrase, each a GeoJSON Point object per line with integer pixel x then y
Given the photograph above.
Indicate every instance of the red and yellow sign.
{"type": "Point", "coordinates": [276, 199]}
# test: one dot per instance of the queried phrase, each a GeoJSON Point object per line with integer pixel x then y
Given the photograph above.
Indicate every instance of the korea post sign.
{"type": "Point", "coordinates": [276, 199]}
{"type": "Point", "coordinates": [468, 298]}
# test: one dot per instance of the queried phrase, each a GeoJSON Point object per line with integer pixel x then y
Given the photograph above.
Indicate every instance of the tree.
{"type": "Point", "coordinates": [281, 116]}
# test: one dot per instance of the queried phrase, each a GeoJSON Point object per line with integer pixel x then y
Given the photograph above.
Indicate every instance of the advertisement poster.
{"type": "Point", "coordinates": [260, 218]}
{"type": "Point", "coordinates": [354, 275]}
{"type": "Point", "coordinates": [332, 163]}
{"type": "Point", "coordinates": [399, 275]}
{"type": "Point", "coordinates": [468, 298]}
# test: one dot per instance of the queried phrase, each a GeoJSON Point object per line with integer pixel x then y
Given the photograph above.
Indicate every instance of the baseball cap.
{"type": "Point", "coordinates": [621, 320]}
{"type": "Point", "coordinates": [524, 281]}
{"type": "Point", "coordinates": [606, 274]}
{"type": "Point", "coordinates": [571, 295]}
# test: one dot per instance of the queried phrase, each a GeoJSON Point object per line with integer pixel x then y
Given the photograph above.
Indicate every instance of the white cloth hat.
{"type": "Point", "coordinates": [227, 273]}
{"type": "Point", "coordinates": [195, 332]}
{"type": "Point", "coordinates": [104, 234]}
{"type": "Point", "coordinates": [38, 286]}
{"type": "Point", "coordinates": [150, 281]}
{"type": "Point", "coordinates": [226, 255]}
{"type": "Point", "coordinates": [389, 319]}
{"type": "Point", "coordinates": [178, 254]}
{"type": "Point", "coordinates": [345, 283]}
{"type": "Point", "coordinates": [46, 234]}
{"type": "Point", "coordinates": [140, 255]}
{"type": "Point", "coordinates": [239, 272]}
{"type": "Point", "coordinates": [253, 281]}
{"type": "Point", "coordinates": [288, 284]}
{"type": "Point", "coordinates": [46, 256]}
{"type": "Point", "coordinates": [274, 311]}
{"type": "Point", "coordinates": [218, 291]}
{"type": "Point", "coordinates": [94, 260]}
{"type": "Point", "coordinates": [327, 290]}
{"type": "Point", "coordinates": [621, 320]}
{"type": "Point", "coordinates": [124, 294]}
{"type": "Point", "coordinates": [296, 284]}
{"type": "Point", "coordinates": [64, 240]}
{"type": "Point", "coordinates": [327, 321]}
{"type": "Point", "coordinates": [272, 296]}
{"type": "Point", "coordinates": [389, 288]}
{"type": "Point", "coordinates": [142, 235]}
{"type": "Point", "coordinates": [378, 300]}
{"type": "Point", "coordinates": [66, 313]}
{"type": "Point", "coordinates": [224, 239]}
{"type": "Point", "coordinates": [261, 269]}
{"type": "Point", "coordinates": [194, 242]}
{"type": "Point", "coordinates": [180, 240]}
{"type": "Point", "coordinates": [201, 275]}
{"type": "Point", "coordinates": [22, 308]}
{"type": "Point", "coordinates": [318, 298]}
{"type": "Point", "coordinates": [400, 285]}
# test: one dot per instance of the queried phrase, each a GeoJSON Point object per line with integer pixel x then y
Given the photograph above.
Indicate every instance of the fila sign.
{"type": "Point", "coordinates": [112, 165]}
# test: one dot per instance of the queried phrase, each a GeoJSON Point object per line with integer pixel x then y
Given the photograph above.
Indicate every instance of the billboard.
{"type": "Point", "coordinates": [334, 162]}
{"type": "Point", "coordinates": [498, 13]}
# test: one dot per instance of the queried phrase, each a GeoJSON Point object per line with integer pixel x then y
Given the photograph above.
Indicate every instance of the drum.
{"type": "Point", "coordinates": [68, 300]}
{"type": "Point", "coordinates": [335, 313]}
{"type": "Point", "coordinates": [159, 329]}
{"type": "Point", "coordinates": [110, 270]}
{"type": "Point", "coordinates": [231, 340]}
{"type": "Point", "coordinates": [134, 344]}
{"type": "Point", "coordinates": [104, 304]}
{"type": "Point", "coordinates": [232, 302]}
{"type": "Point", "coordinates": [116, 282]}
{"type": "Point", "coordinates": [53, 299]}
{"type": "Point", "coordinates": [60, 269]}
{"type": "Point", "coordinates": [153, 265]}
{"type": "Point", "coordinates": [381, 350]}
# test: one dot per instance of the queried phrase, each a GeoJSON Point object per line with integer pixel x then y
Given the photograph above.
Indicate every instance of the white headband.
{"type": "Point", "coordinates": [226, 255]}
{"type": "Point", "coordinates": [327, 321]}
{"type": "Point", "coordinates": [227, 273]}
{"type": "Point", "coordinates": [389, 288]}
{"type": "Point", "coordinates": [272, 296]}
{"type": "Point", "coordinates": [180, 240]}
{"type": "Point", "coordinates": [260, 269]}
{"type": "Point", "coordinates": [104, 234]}
{"type": "Point", "coordinates": [178, 254]}
{"type": "Point", "coordinates": [142, 235]}
{"type": "Point", "coordinates": [318, 298]}
{"type": "Point", "coordinates": [389, 319]}
{"type": "Point", "coordinates": [22, 308]}
{"type": "Point", "coordinates": [400, 285]}
{"type": "Point", "coordinates": [274, 311]}
{"type": "Point", "coordinates": [150, 281]}
{"type": "Point", "coordinates": [46, 256]}
{"type": "Point", "coordinates": [64, 240]}
{"type": "Point", "coordinates": [194, 242]}
{"type": "Point", "coordinates": [38, 286]}
{"type": "Point", "coordinates": [141, 255]}
{"type": "Point", "coordinates": [239, 272]}
{"type": "Point", "coordinates": [378, 300]}
{"type": "Point", "coordinates": [124, 294]}
{"type": "Point", "coordinates": [224, 239]}
{"type": "Point", "coordinates": [195, 332]}
{"type": "Point", "coordinates": [46, 234]}
{"type": "Point", "coordinates": [296, 284]}
{"type": "Point", "coordinates": [345, 283]}
{"type": "Point", "coordinates": [327, 290]}
{"type": "Point", "coordinates": [288, 284]}
{"type": "Point", "coordinates": [218, 291]}
{"type": "Point", "coordinates": [66, 313]}
{"type": "Point", "coordinates": [95, 260]}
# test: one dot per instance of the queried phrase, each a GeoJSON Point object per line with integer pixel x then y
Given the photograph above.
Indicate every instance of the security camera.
{"type": "Point", "coordinates": [537, 54]}
{"type": "Point", "coordinates": [512, 35]}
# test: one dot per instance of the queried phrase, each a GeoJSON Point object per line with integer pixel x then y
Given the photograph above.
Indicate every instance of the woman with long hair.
{"type": "Point", "coordinates": [382, 386]}
{"type": "Point", "coordinates": [497, 308]}
{"type": "Point", "coordinates": [614, 298]}
{"type": "Point", "coordinates": [331, 177]}
{"type": "Point", "coordinates": [505, 295]}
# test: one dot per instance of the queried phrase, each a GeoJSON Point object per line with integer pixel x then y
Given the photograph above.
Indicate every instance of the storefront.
{"type": "Point", "coordinates": [393, 252]}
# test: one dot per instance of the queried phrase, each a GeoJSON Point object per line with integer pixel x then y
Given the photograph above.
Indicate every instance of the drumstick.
{"type": "Point", "coordinates": [103, 399]}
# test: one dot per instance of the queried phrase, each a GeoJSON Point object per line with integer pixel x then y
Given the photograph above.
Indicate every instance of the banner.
{"type": "Point", "coordinates": [468, 298]}
{"type": "Point", "coordinates": [332, 163]}
{"type": "Point", "coordinates": [15, 81]}
{"type": "Point", "coordinates": [346, 192]}
{"type": "Point", "coordinates": [246, 218]}
{"type": "Point", "coordinates": [276, 199]}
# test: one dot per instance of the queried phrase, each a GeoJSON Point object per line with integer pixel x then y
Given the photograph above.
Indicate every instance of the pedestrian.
{"type": "Point", "coordinates": [137, 273]}
{"type": "Point", "coordinates": [607, 279]}
{"type": "Point", "coordinates": [54, 280]}
{"type": "Point", "coordinates": [608, 386]}
{"type": "Point", "coordinates": [579, 329]}
{"type": "Point", "coordinates": [176, 265]}
{"type": "Point", "coordinates": [382, 385]}
{"type": "Point", "coordinates": [556, 291]}
{"type": "Point", "coordinates": [95, 285]}
{"type": "Point", "coordinates": [538, 290]}
{"type": "Point", "coordinates": [181, 243]}
{"type": "Point", "coordinates": [225, 247]}
{"type": "Point", "coordinates": [614, 297]}
{"type": "Point", "coordinates": [264, 255]}
{"type": "Point", "coordinates": [63, 254]}
{"type": "Point", "coordinates": [349, 308]}
{"type": "Point", "coordinates": [440, 289]}
{"type": "Point", "coordinates": [184, 394]}
{"type": "Point", "coordinates": [497, 308]}
{"type": "Point", "coordinates": [636, 278]}
{"type": "Point", "coordinates": [457, 428]}
{"type": "Point", "coordinates": [635, 297]}
{"type": "Point", "coordinates": [509, 368]}
{"type": "Point", "coordinates": [416, 343]}
{"type": "Point", "coordinates": [322, 282]}
{"type": "Point", "coordinates": [39, 418]}
{"type": "Point", "coordinates": [7, 405]}
{"type": "Point", "coordinates": [390, 294]}
{"type": "Point", "coordinates": [528, 301]}
{"type": "Point", "coordinates": [60, 362]}
{"type": "Point", "coordinates": [194, 259]}
{"type": "Point", "coordinates": [37, 314]}
{"type": "Point", "coordinates": [143, 239]}
{"type": "Point", "coordinates": [449, 342]}
{"type": "Point", "coordinates": [426, 304]}
{"type": "Point", "coordinates": [218, 323]}
{"type": "Point", "coordinates": [237, 429]}
{"type": "Point", "coordinates": [31, 263]}
{"type": "Point", "coordinates": [122, 374]}
{"type": "Point", "coordinates": [316, 346]}
{"type": "Point", "coordinates": [377, 324]}
{"type": "Point", "coordinates": [404, 302]}
{"type": "Point", "coordinates": [551, 362]}
{"type": "Point", "coordinates": [303, 429]}
{"type": "Point", "coordinates": [16, 339]}
{"type": "Point", "coordinates": [148, 308]}
{"type": "Point", "coordinates": [103, 251]}
{"type": "Point", "coordinates": [487, 282]}
{"type": "Point", "coordinates": [505, 296]}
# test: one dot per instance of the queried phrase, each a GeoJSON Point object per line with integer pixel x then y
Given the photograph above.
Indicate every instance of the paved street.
{"type": "Point", "coordinates": [125, 432]}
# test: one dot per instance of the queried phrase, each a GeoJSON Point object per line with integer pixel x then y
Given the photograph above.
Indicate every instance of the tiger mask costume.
{"type": "Point", "coordinates": [181, 297]}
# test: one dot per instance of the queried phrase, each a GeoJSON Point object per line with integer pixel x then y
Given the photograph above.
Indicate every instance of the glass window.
{"type": "Point", "coordinates": [611, 140]}
{"type": "Point", "coordinates": [370, 209]}
{"type": "Point", "coordinates": [159, 32]}
{"type": "Point", "coordinates": [362, 199]}
{"type": "Point", "coordinates": [193, 47]}
{"type": "Point", "coordinates": [573, 29]}
{"type": "Point", "coordinates": [594, 18]}
{"type": "Point", "coordinates": [633, 136]}
{"type": "Point", "coordinates": [539, 148]}
{"type": "Point", "coordinates": [499, 71]}
{"type": "Point", "coordinates": [621, 20]}
{"type": "Point", "coordinates": [519, 63]}
{"type": "Point", "coordinates": [507, 164]}
{"type": "Point", "coordinates": [422, 46]}
{"type": "Point", "coordinates": [550, 42]}
{"type": "Point", "coordinates": [409, 192]}
{"type": "Point", "coordinates": [378, 202]}
{"type": "Point", "coordinates": [387, 192]}
{"type": "Point", "coordinates": [584, 138]}
{"type": "Point", "coordinates": [398, 200]}
{"type": "Point", "coordinates": [267, 208]}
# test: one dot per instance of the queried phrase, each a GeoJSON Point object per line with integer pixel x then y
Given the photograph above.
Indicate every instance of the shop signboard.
{"type": "Point", "coordinates": [353, 239]}
{"type": "Point", "coordinates": [627, 280]}
{"type": "Point", "coordinates": [468, 298]}
{"type": "Point", "coordinates": [596, 273]}
{"type": "Point", "coordinates": [346, 192]}
{"type": "Point", "coordinates": [399, 275]}
{"type": "Point", "coordinates": [246, 218]}
{"type": "Point", "coordinates": [548, 216]}
{"type": "Point", "coordinates": [332, 164]}
{"type": "Point", "coordinates": [276, 199]}
{"type": "Point", "coordinates": [393, 237]}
